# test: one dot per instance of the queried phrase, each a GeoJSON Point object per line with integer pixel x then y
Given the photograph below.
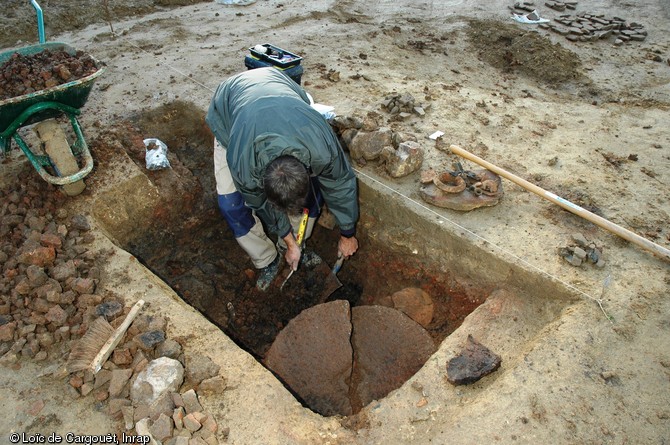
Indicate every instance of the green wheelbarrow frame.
{"type": "Point", "coordinates": [79, 148]}
{"type": "Point", "coordinates": [66, 98]}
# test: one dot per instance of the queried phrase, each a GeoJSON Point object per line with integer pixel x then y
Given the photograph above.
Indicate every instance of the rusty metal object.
{"type": "Point", "coordinates": [481, 188]}
{"type": "Point", "coordinates": [449, 183]}
{"type": "Point", "coordinates": [487, 187]}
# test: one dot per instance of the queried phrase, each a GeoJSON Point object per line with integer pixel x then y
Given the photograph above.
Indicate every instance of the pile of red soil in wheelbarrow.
{"type": "Point", "coordinates": [24, 74]}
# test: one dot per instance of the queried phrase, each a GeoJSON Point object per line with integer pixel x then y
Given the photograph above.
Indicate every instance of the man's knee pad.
{"type": "Point", "coordinates": [236, 213]}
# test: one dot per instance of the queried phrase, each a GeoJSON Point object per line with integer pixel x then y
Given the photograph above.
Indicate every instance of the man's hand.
{"type": "Point", "coordinates": [347, 246]}
{"type": "Point", "coordinates": [293, 251]}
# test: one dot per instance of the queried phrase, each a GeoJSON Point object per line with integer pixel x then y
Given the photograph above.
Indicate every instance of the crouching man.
{"type": "Point", "coordinates": [275, 155]}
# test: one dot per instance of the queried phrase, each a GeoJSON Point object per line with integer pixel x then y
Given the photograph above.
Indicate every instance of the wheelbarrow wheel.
{"type": "Point", "coordinates": [58, 149]}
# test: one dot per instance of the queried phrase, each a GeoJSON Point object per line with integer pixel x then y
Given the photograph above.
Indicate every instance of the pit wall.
{"type": "Point", "coordinates": [397, 221]}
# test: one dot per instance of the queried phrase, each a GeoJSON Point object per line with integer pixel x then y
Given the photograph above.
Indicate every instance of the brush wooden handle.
{"type": "Point", "coordinates": [114, 340]}
{"type": "Point", "coordinates": [567, 205]}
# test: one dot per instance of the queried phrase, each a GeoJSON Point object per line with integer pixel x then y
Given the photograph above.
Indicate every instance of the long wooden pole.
{"type": "Point", "coordinates": [567, 205]}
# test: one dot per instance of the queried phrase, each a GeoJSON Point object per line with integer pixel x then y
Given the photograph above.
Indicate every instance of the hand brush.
{"type": "Point", "coordinates": [95, 347]}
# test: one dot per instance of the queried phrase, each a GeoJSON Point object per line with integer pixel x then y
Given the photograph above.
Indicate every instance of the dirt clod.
{"type": "Point", "coordinates": [515, 50]}
{"type": "Point", "coordinates": [24, 74]}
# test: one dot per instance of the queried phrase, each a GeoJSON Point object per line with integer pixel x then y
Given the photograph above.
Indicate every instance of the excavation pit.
{"type": "Point", "coordinates": [408, 262]}
{"type": "Point", "coordinates": [202, 262]}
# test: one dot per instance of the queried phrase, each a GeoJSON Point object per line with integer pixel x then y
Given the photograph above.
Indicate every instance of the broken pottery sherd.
{"type": "Point", "coordinates": [313, 355]}
{"type": "Point", "coordinates": [484, 191]}
{"type": "Point", "coordinates": [415, 303]}
{"type": "Point", "coordinates": [337, 359]}
{"type": "Point", "coordinates": [473, 363]}
{"type": "Point", "coordinates": [389, 348]}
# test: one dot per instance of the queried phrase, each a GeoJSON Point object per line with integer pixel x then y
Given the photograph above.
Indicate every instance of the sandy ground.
{"type": "Point", "coordinates": [574, 371]}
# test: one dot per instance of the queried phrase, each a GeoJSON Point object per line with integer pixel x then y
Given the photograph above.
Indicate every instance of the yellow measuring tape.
{"type": "Point", "coordinates": [302, 227]}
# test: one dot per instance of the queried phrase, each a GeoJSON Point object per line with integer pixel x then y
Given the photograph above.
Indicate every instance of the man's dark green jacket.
{"type": "Point", "coordinates": [261, 114]}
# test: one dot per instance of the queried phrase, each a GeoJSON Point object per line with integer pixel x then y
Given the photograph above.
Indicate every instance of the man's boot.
{"type": "Point", "coordinates": [310, 259]}
{"type": "Point", "coordinates": [267, 274]}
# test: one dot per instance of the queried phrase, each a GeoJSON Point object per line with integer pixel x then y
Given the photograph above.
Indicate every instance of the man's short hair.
{"type": "Point", "coordinates": [286, 184]}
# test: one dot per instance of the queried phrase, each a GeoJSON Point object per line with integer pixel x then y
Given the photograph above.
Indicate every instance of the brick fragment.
{"type": "Point", "coordinates": [190, 423]}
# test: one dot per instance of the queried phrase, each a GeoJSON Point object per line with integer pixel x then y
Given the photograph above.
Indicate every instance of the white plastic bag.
{"type": "Point", "coordinates": [531, 18]}
{"type": "Point", "coordinates": [327, 111]}
{"type": "Point", "coordinates": [156, 154]}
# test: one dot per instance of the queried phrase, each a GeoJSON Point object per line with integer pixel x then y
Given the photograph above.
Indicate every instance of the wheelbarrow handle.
{"type": "Point", "coordinates": [40, 21]}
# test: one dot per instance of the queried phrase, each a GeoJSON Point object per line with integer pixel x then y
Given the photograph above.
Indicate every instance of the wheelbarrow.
{"type": "Point", "coordinates": [57, 161]}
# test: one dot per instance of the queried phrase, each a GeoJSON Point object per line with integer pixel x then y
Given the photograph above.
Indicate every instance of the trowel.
{"type": "Point", "coordinates": [331, 282]}
{"type": "Point", "coordinates": [323, 279]}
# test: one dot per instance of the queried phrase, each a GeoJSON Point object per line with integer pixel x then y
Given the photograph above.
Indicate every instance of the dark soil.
{"type": "Point", "coordinates": [514, 50]}
{"type": "Point", "coordinates": [25, 74]}
{"type": "Point", "coordinates": [210, 271]}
